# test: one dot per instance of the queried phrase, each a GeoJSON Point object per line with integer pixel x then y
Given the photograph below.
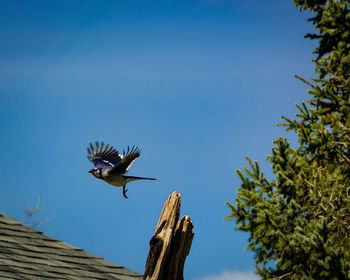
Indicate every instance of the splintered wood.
{"type": "Point", "coordinates": [170, 244]}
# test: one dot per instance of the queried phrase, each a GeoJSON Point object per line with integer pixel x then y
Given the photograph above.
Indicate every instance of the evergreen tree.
{"type": "Point", "coordinates": [299, 223]}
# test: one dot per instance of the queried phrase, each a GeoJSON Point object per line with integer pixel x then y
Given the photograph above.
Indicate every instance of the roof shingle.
{"type": "Point", "coordinates": [26, 253]}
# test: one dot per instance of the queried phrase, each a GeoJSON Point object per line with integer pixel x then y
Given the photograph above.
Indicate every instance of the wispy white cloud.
{"type": "Point", "coordinates": [231, 275]}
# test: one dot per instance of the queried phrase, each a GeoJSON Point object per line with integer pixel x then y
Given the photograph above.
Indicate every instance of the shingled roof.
{"type": "Point", "coordinates": [26, 253]}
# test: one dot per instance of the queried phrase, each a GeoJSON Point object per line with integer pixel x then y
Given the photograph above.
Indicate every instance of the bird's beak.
{"type": "Point", "coordinates": [90, 171]}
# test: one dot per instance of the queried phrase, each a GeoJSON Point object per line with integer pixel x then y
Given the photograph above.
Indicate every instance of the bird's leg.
{"type": "Point", "coordinates": [124, 192]}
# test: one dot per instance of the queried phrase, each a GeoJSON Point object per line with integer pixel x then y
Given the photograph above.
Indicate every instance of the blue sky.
{"type": "Point", "coordinates": [197, 85]}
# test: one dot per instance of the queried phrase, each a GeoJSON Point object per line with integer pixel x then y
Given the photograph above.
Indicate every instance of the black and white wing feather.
{"type": "Point", "coordinates": [127, 159]}
{"type": "Point", "coordinates": [103, 156]}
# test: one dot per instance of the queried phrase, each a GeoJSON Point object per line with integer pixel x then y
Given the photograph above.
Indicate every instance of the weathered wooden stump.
{"type": "Point", "coordinates": [170, 244]}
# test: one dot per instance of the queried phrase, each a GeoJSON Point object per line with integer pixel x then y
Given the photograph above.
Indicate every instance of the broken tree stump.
{"type": "Point", "coordinates": [170, 244]}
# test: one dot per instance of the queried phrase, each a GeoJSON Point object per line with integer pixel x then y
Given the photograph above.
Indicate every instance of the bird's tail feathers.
{"type": "Point", "coordinates": [134, 178]}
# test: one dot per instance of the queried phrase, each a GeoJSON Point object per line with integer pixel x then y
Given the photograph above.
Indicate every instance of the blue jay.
{"type": "Point", "coordinates": [111, 166]}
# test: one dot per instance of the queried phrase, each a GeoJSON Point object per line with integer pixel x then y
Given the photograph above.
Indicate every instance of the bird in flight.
{"type": "Point", "coordinates": [111, 166]}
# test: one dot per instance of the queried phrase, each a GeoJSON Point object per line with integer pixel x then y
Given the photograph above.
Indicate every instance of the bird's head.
{"type": "Point", "coordinates": [97, 172]}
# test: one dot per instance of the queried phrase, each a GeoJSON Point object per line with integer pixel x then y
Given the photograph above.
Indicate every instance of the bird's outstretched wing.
{"type": "Point", "coordinates": [128, 158]}
{"type": "Point", "coordinates": [103, 156]}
